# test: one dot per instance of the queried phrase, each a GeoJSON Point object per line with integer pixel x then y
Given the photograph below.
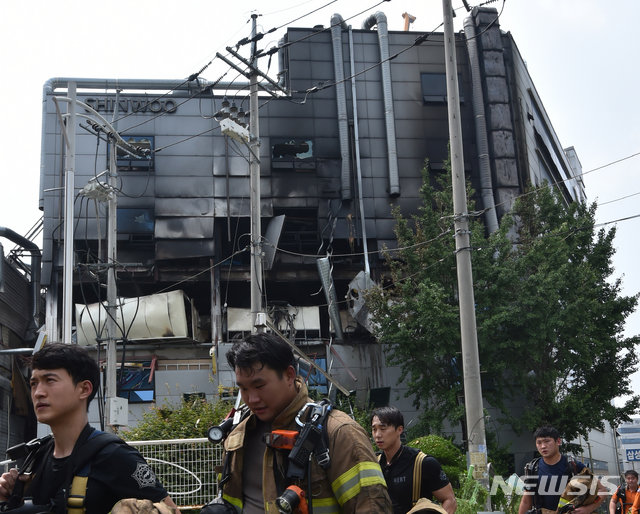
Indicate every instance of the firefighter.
{"type": "Point", "coordinates": [255, 474]}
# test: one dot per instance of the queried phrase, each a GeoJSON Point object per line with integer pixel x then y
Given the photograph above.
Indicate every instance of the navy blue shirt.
{"type": "Point", "coordinates": [551, 482]}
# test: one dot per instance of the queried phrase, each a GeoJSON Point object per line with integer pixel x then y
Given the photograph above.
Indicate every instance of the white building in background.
{"type": "Point", "coordinates": [629, 438]}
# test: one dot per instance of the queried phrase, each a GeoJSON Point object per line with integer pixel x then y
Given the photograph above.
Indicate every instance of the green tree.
{"type": "Point", "coordinates": [549, 314]}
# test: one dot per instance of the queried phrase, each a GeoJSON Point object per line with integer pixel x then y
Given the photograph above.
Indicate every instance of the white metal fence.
{"type": "Point", "coordinates": [186, 468]}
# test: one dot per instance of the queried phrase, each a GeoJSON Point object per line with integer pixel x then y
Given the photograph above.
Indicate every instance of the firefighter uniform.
{"type": "Point", "coordinates": [353, 483]}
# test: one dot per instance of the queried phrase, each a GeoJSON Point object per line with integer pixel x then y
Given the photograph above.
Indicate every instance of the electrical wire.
{"type": "Point", "coordinates": [328, 84]}
{"type": "Point", "coordinates": [198, 93]}
{"type": "Point", "coordinates": [600, 204]}
{"type": "Point", "coordinates": [290, 43]}
{"type": "Point", "coordinates": [186, 139]}
{"type": "Point", "coordinates": [557, 182]}
{"type": "Point", "coordinates": [303, 16]}
{"type": "Point", "coordinates": [627, 218]}
{"type": "Point", "coordinates": [206, 270]}
{"type": "Point", "coordinates": [492, 23]}
{"type": "Point", "coordinates": [191, 78]}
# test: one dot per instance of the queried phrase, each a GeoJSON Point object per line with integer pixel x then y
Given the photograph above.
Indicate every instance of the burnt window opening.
{"type": "Point", "coordinates": [129, 162]}
{"type": "Point", "coordinates": [300, 231]}
{"type": "Point", "coordinates": [292, 153]}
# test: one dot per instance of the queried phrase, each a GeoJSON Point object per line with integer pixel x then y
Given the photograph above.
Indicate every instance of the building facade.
{"type": "Point", "coordinates": [365, 109]}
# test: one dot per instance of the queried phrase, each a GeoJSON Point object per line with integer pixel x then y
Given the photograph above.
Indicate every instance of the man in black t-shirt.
{"type": "Point", "coordinates": [398, 462]}
{"type": "Point", "coordinates": [64, 379]}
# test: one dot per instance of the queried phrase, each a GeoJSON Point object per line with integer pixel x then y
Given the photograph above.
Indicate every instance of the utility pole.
{"type": "Point", "coordinates": [590, 456]}
{"type": "Point", "coordinates": [115, 405]}
{"type": "Point", "coordinates": [615, 445]}
{"type": "Point", "coordinates": [476, 438]}
{"type": "Point", "coordinates": [230, 127]}
{"type": "Point", "coordinates": [112, 241]}
{"type": "Point", "coordinates": [69, 195]}
{"type": "Point", "coordinates": [257, 316]}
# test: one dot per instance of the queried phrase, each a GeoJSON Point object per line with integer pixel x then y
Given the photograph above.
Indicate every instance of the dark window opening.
{"type": "Point", "coordinates": [135, 221]}
{"type": "Point", "coordinates": [129, 162]}
{"type": "Point", "coordinates": [292, 153]}
{"type": "Point", "coordinates": [300, 231]}
{"type": "Point", "coordinates": [434, 88]}
{"type": "Point", "coordinates": [379, 396]}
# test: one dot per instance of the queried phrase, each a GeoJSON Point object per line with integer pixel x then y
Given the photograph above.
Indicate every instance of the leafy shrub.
{"type": "Point", "coordinates": [449, 456]}
{"type": "Point", "coordinates": [471, 496]}
{"type": "Point", "coordinates": [191, 419]}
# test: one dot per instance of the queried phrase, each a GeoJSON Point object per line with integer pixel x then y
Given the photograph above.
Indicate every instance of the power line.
{"type": "Point", "coordinates": [627, 218]}
{"type": "Point", "coordinates": [618, 199]}
{"type": "Point", "coordinates": [557, 182]}
{"type": "Point", "coordinates": [290, 43]}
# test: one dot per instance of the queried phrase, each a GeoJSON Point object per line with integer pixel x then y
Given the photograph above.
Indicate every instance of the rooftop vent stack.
{"type": "Point", "coordinates": [380, 20]}
{"type": "Point", "coordinates": [337, 26]}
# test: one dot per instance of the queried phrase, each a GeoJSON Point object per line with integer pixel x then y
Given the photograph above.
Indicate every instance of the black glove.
{"type": "Point", "coordinates": [218, 506]}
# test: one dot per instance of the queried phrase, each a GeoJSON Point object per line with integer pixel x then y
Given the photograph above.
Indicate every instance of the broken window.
{"type": "Point", "coordinates": [292, 153]}
{"type": "Point", "coordinates": [141, 159]}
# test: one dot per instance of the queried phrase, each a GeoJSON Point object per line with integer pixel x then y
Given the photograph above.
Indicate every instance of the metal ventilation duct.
{"type": "Point", "coordinates": [324, 269]}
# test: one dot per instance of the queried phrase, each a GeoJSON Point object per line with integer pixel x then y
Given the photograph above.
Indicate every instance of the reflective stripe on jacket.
{"type": "Point", "coordinates": [353, 483]}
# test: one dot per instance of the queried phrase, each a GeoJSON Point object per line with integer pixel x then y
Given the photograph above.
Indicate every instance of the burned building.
{"type": "Point", "coordinates": [364, 109]}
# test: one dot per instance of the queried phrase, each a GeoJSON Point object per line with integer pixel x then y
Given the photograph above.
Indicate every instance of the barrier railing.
{"type": "Point", "coordinates": [186, 468]}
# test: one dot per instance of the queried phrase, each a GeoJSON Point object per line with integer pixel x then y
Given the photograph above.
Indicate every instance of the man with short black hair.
{"type": "Point", "coordinates": [398, 463]}
{"type": "Point", "coordinates": [548, 475]}
{"type": "Point", "coordinates": [255, 474]}
{"type": "Point", "coordinates": [64, 379]}
{"type": "Point", "coordinates": [625, 497]}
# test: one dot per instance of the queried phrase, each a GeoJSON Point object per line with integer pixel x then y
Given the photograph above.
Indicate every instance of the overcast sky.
{"type": "Point", "coordinates": [582, 55]}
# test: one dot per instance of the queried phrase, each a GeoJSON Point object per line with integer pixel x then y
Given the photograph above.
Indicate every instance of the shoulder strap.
{"type": "Point", "coordinates": [417, 476]}
{"type": "Point", "coordinates": [96, 442]}
{"type": "Point", "coordinates": [622, 494]}
{"type": "Point", "coordinates": [531, 470]}
{"type": "Point", "coordinates": [572, 466]}
{"type": "Point", "coordinates": [81, 466]}
{"type": "Point", "coordinates": [531, 467]}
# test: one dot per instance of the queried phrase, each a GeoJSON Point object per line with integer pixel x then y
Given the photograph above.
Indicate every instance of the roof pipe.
{"type": "Point", "coordinates": [380, 20]}
{"type": "Point", "coordinates": [356, 136]}
{"type": "Point", "coordinates": [36, 262]}
{"type": "Point", "coordinates": [143, 84]}
{"type": "Point", "coordinates": [482, 143]}
{"type": "Point", "coordinates": [337, 26]}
